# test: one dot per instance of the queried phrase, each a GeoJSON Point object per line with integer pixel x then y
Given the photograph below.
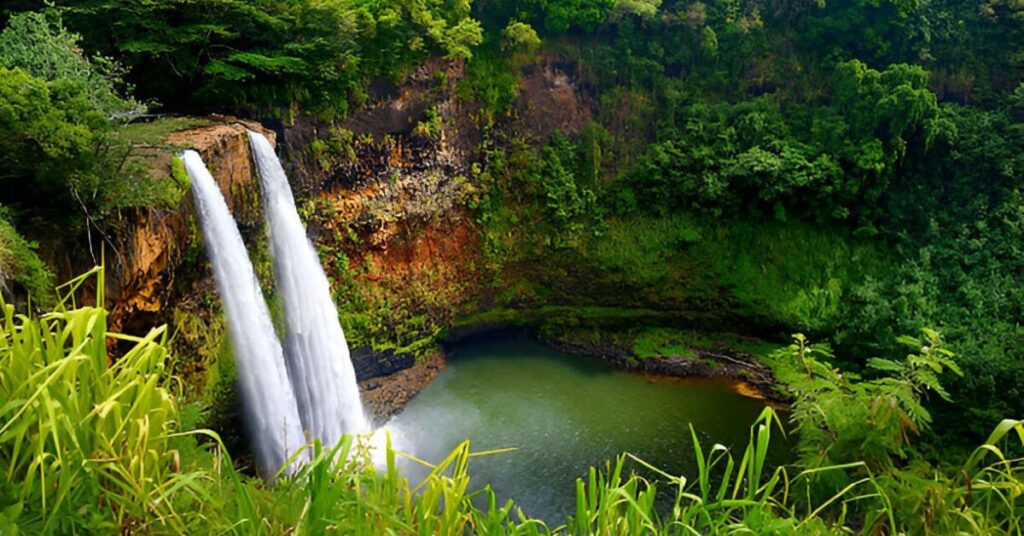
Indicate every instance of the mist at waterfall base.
{"type": "Point", "coordinates": [318, 361]}
{"type": "Point", "coordinates": [271, 413]}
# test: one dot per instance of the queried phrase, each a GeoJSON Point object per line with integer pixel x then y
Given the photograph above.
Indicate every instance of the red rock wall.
{"type": "Point", "coordinates": [146, 271]}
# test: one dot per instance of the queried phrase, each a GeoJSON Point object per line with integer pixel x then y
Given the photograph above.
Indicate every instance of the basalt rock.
{"type": "Point", "coordinates": [754, 379]}
{"type": "Point", "coordinates": [553, 98]}
{"type": "Point", "coordinates": [385, 396]}
{"type": "Point", "coordinates": [370, 364]}
{"type": "Point", "coordinates": [150, 273]}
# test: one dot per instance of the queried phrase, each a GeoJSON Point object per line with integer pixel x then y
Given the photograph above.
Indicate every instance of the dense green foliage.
{"type": "Point", "coordinates": [90, 446]}
{"type": "Point", "coordinates": [19, 264]}
{"type": "Point", "coordinates": [893, 129]}
{"type": "Point", "coordinates": [48, 51]}
{"type": "Point", "coordinates": [224, 54]}
{"type": "Point", "coordinates": [821, 161]}
{"type": "Point", "coordinates": [850, 168]}
{"type": "Point", "coordinates": [60, 112]}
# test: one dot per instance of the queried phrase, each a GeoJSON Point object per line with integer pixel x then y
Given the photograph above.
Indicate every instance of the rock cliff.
{"type": "Point", "coordinates": [387, 199]}
{"type": "Point", "coordinates": [152, 269]}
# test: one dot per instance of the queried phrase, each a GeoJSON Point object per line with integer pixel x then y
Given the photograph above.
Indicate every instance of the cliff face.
{"type": "Point", "coordinates": [156, 266]}
{"type": "Point", "coordinates": [385, 196]}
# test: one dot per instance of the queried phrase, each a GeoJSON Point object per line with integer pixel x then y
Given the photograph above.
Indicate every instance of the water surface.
{"type": "Point", "coordinates": [564, 414]}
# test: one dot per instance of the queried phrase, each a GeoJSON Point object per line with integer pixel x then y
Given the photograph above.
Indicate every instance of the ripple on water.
{"type": "Point", "coordinates": [563, 414]}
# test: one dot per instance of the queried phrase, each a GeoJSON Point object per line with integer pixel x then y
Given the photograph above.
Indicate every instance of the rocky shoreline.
{"type": "Point", "coordinates": [385, 396]}
{"type": "Point", "coordinates": [388, 381]}
{"type": "Point", "coordinates": [753, 379]}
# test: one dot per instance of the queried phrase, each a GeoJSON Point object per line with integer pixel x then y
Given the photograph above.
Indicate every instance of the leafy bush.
{"type": "Point", "coordinates": [49, 132]}
{"type": "Point", "coordinates": [490, 81]}
{"type": "Point", "coordinates": [276, 55]}
{"type": "Point", "coordinates": [568, 189]}
{"type": "Point", "coordinates": [840, 417]}
{"type": "Point", "coordinates": [20, 265]}
{"type": "Point", "coordinates": [431, 125]}
{"type": "Point", "coordinates": [519, 37]}
{"type": "Point", "coordinates": [47, 50]}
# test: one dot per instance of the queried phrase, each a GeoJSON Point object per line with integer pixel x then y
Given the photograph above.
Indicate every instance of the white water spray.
{"type": "Point", "coordinates": [270, 407]}
{"type": "Point", "coordinates": [317, 353]}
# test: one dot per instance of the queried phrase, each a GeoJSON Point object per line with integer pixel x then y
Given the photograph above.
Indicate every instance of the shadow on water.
{"type": "Point", "coordinates": [563, 414]}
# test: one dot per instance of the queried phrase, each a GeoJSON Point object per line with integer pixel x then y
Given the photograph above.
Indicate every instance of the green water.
{"type": "Point", "coordinates": [564, 414]}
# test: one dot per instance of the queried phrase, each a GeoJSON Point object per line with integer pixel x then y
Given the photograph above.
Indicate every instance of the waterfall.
{"type": "Point", "coordinates": [271, 411]}
{"type": "Point", "coordinates": [317, 354]}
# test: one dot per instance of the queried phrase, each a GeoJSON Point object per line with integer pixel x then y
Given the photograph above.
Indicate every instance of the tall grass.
{"type": "Point", "coordinates": [984, 496]}
{"type": "Point", "coordinates": [91, 444]}
{"type": "Point", "coordinates": [83, 441]}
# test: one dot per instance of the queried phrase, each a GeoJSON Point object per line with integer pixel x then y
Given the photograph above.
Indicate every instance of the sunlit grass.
{"type": "Point", "coordinates": [90, 443]}
{"type": "Point", "coordinates": [83, 438]}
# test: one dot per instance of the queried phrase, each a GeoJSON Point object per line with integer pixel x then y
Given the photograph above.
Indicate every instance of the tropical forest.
{"type": "Point", "coordinates": [523, 267]}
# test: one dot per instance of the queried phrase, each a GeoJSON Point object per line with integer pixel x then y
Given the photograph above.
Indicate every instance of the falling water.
{"type": "Point", "coordinates": [317, 354]}
{"type": "Point", "coordinates": [271, 411]}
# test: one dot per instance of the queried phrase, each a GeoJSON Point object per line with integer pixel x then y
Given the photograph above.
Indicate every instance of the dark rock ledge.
{"type": "Point", "coordinates": [752, 378]}
{"type": "Point", "coordinates": [388, 380]}
{"type": "Point", "coordinates": [393, 380]}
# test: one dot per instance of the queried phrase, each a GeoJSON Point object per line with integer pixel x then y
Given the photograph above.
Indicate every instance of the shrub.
{"type": "Point", "coordinates": [48, 51]}
{"type": "Point", "coordinates": [20, 265]}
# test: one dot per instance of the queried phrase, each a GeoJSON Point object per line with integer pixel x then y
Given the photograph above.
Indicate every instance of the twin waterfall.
{"type": "Point", "coordinates": [309, 387]}
{"type": "Point", "coordinates": [318, 361]}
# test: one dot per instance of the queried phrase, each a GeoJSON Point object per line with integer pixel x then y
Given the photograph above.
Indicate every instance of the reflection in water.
{"type": "Point", "coordinates": [564, 414]}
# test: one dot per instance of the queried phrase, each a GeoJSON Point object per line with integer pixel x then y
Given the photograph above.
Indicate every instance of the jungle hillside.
{"type": "Point", "coordinates": [820, 200]}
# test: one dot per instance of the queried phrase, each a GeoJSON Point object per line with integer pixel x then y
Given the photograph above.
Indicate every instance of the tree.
{"type": "Point", "coordinates": [48, 51]}
{"type": "Point", "coordinates": [48, 135]}
{"type": "Point", "coordinates": [317, 54]}
{"type": "Point", "coordinates": [645, 9]}
{"type": "Point", "coordinates": [569, 199]}
{"type": "Point", "coordinates": [519, 37]}
{"type": "Point", "coordinates": [586, 15]}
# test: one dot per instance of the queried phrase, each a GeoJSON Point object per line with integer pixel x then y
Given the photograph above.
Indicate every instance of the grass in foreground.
{"type": "Point", "coordinates": [91, 445]}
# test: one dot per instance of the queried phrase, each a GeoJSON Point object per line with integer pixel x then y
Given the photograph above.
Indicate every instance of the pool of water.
{"type": "Point", "coordinates": [563, 414]}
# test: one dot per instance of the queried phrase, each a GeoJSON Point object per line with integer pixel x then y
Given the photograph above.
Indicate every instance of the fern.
{"type": "Point", "coordinates": [839, 416]}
